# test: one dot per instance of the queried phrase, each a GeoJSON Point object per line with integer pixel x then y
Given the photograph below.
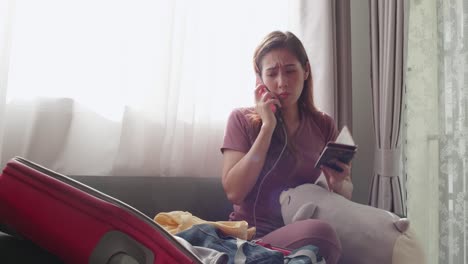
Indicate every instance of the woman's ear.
{"type": "Point", "coordinates": [258, 79]}
{"type": "Point", "coordinates": [307, 71]}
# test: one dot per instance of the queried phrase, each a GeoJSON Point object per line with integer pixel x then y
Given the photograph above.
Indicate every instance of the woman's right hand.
{"type": "Point", "coordinates": [265, 105]}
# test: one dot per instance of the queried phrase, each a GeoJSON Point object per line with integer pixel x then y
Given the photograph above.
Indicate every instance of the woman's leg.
{"type": "Point", "coordinates": [308, 232]}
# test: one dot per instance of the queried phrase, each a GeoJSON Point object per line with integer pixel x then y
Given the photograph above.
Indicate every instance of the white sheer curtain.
{"type": "Point", "coordinates": [128, 87]}
{"type": "Point", "coordinates": [120, 87]}
{"type": "Point", "coordinates": [437, 157]}
{"type": "Point", "coordinates": [6, 11]}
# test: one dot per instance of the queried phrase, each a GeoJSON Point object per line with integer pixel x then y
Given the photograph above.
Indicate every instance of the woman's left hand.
{"type": "Point", "coordinates": [335, 178]}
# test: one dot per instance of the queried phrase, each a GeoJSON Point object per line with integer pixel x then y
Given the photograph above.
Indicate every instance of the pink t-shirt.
{"type": "Point", "coordinates": [314, 131]}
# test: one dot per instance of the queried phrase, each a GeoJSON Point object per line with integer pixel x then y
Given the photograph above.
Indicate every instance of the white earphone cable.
{"type": "Point", "coordinates": [269, 171]}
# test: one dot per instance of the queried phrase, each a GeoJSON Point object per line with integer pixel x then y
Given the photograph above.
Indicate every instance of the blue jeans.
{"type": "Point", "coordinates": [238, 251]}
{"type": "Point", "coordinates": [241, 251]}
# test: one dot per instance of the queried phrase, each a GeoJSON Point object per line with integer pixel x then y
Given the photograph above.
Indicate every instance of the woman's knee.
{"type": "Point", "coordinates": [320, 234]}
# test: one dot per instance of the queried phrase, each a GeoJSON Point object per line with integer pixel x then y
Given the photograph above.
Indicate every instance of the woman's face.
{"type": "Point", "coordinates": [284, 75]}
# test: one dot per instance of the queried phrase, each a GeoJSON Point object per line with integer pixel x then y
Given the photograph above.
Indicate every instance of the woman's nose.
{"type": "Point", "coordinates": [282, 81]}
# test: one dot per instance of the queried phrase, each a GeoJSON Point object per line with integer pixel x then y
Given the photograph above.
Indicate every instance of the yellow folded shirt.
{"type": "Point", "coordinates": [178, 221]}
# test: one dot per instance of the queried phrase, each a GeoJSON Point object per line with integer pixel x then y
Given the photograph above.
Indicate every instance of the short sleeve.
{"type": "Point", "coordinates": [236, 135]}
{"type": "Point", "coordinates": [327, 126]}
{"type": "Point", "coordinates": [333, 130]}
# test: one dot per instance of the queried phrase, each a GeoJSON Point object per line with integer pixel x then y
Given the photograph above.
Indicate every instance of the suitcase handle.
{"type": "Point", "coordinates": [122, 258]}
{"type": "Point", "coordinates": [116, 247]}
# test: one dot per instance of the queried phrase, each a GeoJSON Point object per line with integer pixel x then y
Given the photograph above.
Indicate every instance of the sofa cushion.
{"type": "Point", "coordinates": [203, 197]}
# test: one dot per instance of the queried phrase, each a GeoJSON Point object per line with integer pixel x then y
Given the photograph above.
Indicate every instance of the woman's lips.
{"type": "Point", "coordinates": [283, 95]}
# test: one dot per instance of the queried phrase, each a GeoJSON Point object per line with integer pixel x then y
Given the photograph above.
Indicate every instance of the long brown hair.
{"type": "Point", "coordinates": [285, 40]}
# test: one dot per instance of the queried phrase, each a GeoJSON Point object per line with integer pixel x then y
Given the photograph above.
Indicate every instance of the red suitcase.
{"type": "Point", "coordinates": [80, 224]}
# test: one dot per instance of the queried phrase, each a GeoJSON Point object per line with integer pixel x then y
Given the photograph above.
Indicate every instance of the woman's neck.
{"type": "Point", "coordinates": [291, 118]}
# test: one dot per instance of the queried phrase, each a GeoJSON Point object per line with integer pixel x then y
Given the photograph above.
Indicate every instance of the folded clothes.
{"type": "Point", "coordinates": [178, 221]}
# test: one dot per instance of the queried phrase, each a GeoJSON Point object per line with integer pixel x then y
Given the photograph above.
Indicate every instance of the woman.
{"type": "Point", "coordinates": [264, 153]}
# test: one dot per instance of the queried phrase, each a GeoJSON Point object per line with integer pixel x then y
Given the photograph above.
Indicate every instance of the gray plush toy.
{"type": "Point", "coordinates": [368, 235]}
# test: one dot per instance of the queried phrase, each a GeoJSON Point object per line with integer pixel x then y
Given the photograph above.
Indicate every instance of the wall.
{"type": "Point", "coordinates": [363, 131]}
{"type": "Point", "coordinates": [422, 125]}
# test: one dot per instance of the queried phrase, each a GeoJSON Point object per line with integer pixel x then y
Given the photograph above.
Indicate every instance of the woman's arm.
{"type": "Point", "coordinates": [241, 170]}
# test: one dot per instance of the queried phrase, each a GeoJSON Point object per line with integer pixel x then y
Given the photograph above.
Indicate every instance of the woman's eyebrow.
{"type": "Point", "coordinates": [290, 65]}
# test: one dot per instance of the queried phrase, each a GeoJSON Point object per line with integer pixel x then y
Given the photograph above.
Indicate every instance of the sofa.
{"type": "Point", "coordinates": [203, 197]}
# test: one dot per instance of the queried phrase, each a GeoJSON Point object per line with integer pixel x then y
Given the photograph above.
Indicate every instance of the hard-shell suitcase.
{"type": "Point", "coordinates": [80, 224]}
